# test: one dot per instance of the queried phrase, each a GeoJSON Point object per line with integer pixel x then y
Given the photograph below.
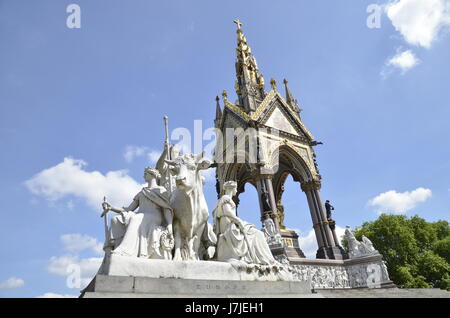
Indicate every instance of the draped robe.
{"type": "Point", "coordinates": [248, 245]}
{"type": "Point", "coordinates": [146, 229]}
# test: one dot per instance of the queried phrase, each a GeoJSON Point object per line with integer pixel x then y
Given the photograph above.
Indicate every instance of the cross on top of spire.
{"type": "Point", "coordinates": [238, 23]}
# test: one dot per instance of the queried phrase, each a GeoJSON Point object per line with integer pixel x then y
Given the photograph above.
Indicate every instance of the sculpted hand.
{"type": "Point", "coordinates": [170, 233]}
{"type": "Point", "coordinates": [106, 207]}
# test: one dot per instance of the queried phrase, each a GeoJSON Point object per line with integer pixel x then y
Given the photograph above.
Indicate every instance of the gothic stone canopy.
{"type": "Point", "coordinates": [282, 143]}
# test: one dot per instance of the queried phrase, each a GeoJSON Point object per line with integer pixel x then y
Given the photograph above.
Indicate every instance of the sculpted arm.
{"type": "Point", "coordinates": [108, 207]}
{"type": "Point", "coordinates": [229, 211]}
{"type": "Point", "coordinates": [133, 206]}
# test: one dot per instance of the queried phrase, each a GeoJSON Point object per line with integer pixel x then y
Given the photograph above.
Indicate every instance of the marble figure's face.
{"type": "Point", "coordinates": [148, 177]}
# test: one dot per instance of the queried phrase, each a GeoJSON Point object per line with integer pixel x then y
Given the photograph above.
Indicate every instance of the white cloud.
{"type": "Point", "coordinates": [132, 152]}
{"type": "Point", "coordinates": [398, 203]}
{"type": "Point", "coordinates": [12, 282]}
{"type": "Point", "coordinates": [308, 243]}
{"type": "Point", "coordinates": [54, 295]}
{"type": "Point", "coordinates": [59, 265]}
{"type": "Point", "coordinates": [69, 178]}
{"type": "Point", "coordinates": [404, 60]}
{"type": "Point", "coordinates": [71, 264]}
{"type": "Point", "coordinates": [419, 21]}
{"type": "Point", "coordinates": [70, 205]}
{"type": "Point", "coordinates": [64, 265]}
{"type": "Point", "coordinates": [80, 242]}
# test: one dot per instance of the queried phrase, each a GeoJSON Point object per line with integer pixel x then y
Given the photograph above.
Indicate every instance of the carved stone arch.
{"type": "Point", "coordinates": [237, 172]}
{"type": "Point", "coordinates": [288, 158]}
{"type": "Point", "coordinates": [287, 161]}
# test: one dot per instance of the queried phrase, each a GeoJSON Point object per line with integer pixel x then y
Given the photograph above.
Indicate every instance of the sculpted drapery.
{"type": "Point", "coordinates": [146, 233]}
{"type": "Point", "coordinates": [237, 239]}
{"type": "Point", "coordinates": [146, 230]}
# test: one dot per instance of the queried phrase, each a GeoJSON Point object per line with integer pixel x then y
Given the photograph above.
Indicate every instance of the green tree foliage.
{"type": "Point", "coordinates": [417, 252]}
{"type": "Point", "coordinates": [442, 248]}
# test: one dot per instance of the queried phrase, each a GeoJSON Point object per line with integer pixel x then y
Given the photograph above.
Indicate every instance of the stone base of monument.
{"type": "Point", "coordinates": [116, 265]}
{"type": "Point", "coordinates": [103, 286]}
{"type": "Point", "coordinates": [121, 276]}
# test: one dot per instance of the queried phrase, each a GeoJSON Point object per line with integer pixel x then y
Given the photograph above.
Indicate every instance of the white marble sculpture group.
{"type": "Point", "coordinates": [164, 232]}
{"type": "Point", "coordinates": [357, 248]}
{"type": "Point", "coordinates": [168, 219]}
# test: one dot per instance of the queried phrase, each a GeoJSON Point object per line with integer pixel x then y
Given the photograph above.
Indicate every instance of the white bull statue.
{"type": "Point", "coordinates": [194, 237]}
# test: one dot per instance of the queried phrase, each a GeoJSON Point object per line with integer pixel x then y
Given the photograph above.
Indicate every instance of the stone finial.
{"type": "Point", "coordinates": [218, 110]}
{"type": "Point", "coordinates": [273, 83]}
{"type": "Point", "coordinates": [261, 81]}
{"type": "Point", "coordinates": [225, 94]}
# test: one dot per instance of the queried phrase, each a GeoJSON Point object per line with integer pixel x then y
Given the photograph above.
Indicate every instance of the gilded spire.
{"type": "Point", "coordinates": [250, 83]}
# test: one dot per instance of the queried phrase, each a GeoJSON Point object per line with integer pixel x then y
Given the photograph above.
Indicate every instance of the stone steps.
{"type": "Point", "coordinates": [144, 287]}
{"type": "Point", "coordinates": [145, 295]}
{"type": "Point", "coordinates": [385, 293]}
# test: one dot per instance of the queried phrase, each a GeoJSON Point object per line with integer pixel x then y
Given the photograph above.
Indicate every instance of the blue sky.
{"type": "Point", "coordinates": [378, 98]}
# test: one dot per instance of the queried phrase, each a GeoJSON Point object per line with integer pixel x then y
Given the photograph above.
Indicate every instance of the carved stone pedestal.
{"type": "Point", "coordinates": [290, 247]}
{"type": "Point", "coordinates": [130, 277]}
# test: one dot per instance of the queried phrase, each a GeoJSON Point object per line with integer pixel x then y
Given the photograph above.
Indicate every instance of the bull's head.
{"type": "Point", "coordinates": [186, 169]}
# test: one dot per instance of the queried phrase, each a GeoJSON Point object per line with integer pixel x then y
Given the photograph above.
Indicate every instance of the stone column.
{"type": "Point", "coordinates": [321, 240]}
{"type": "Point", "coordinates": [326, 241]}
{"type": "Point", "coordinates": [323, 218]}
{"type": "Point", "coordinates": [273, 202]}
{"type": "Point", "coordinates": [259, 189]}
{"type": "Point", "coordinates": [264, 185]}
{"type": "Point", "coordinates": [332, 224]}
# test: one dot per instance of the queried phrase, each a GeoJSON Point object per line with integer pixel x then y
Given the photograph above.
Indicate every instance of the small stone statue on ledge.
{"type": "Point", "coordinates": [273, 237]}
{"type": "Point", "coordinates": [357, 248]}
{"type": "Point", "coordinates": [328, 208]}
